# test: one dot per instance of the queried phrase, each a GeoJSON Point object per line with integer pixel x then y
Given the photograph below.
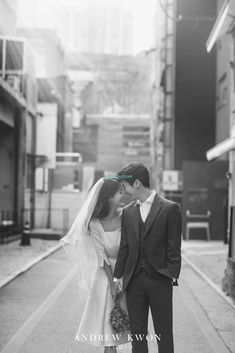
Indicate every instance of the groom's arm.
{"type": "Point", "coordinates": [174, 230]}
{"type": "Point", "coordinates": [123, 250]}
{"type": "Point", "coordinates": [174, 241]}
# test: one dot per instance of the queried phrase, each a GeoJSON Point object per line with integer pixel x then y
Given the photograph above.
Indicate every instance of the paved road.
{"type": "Point", "coordinates": [41, 309]}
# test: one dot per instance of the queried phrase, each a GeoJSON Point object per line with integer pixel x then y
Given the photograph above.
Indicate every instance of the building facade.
{"type": "Point", "coordinates": [18, 99]}
{"type": "Point", "coordinates": [117, 139]}
{"type": "Point", "coordinates": [184, 114]}
{"type": "Point", "coordinates": [53, 83]}
{"type": "Point", "coordinates": [223, 35]}
{"type": "Point", "coordinates": [114, 125]}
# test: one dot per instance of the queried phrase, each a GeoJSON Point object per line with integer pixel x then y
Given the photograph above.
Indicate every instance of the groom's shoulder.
{"type": "Point", "coordinates": [168, 203]}
{"type": "Point", "coordinates": [129, 206]}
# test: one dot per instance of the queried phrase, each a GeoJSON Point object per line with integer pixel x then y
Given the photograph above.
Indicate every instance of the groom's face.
{"type": "Point", "coordinates": [129, 192]}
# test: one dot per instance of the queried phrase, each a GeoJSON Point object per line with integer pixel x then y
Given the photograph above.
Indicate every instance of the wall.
{"type": "Point", "coordinates": [64, 208]}
{"type": "Point", "coordinates": [8, 17]}
{"type": "Point", "coordinates": [222, 90]}
{"type": "Point", "coordinates": [195, 82]}
{"type": "Point", "coordinates": [49, 55]}
{"type": "Point", "coordinates": [7, 174]}
{"type": "Point", "coordinates": [205, 189]}
{"type": "Point", "coordinates": [112, 152]}
{"type": "Point", "coordinates": [12, 153]}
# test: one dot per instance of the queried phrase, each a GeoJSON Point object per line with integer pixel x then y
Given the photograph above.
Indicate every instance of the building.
{"type": "Point", "coordinates": [53, 84]}
{"type": "Point", "coordinates": [184, 118]}
{"type": "Point", "coordinates": [158, 58]}
{"type": "Point", "coordinates": [111, 141]}
{"type": "Point", "coordinates": [115, 84]}
{"type": "Point", "coordinates": [18, 99]}
{"type": "Point", "coordinates": [54, 123]}
{"type": "Point", "coordinates": [187, 81]}
{"type": "Point", "coordinates": [8, 16]}
{"type": "Point", "coordinates": [223, 34]}
{"type": "Point", "coordinates": [114, 125]}
{"type": "Point", "coordinates": [88, 26]}
{"type": "Point", "coordinates": [194, 125]}
{"type": "Point", "coordinates": [93, 27]}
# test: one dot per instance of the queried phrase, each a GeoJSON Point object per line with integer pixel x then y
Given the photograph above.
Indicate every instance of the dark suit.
{"type": "Point", "coordinates": [149, 257]}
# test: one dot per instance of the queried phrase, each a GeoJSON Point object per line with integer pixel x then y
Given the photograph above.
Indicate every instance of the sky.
{"type": "Point", "coordinates": [42, 13]}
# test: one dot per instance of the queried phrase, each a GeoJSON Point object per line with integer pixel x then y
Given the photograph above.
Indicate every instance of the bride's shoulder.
{"type": "Point", "coordinates": [93, 224]}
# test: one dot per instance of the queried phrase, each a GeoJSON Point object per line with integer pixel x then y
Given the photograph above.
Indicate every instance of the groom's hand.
{"type": "Point", "coordinates": [174, 282]}
{"type": "Point", "coordinates": [118, 283]}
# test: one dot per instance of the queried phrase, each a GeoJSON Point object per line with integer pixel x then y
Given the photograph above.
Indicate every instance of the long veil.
{"type": "Point", "coordinates": [77, 243]}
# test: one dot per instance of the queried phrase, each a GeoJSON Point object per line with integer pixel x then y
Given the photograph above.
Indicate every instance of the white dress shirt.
{"type": "Point", "coordinates": [145, 206]}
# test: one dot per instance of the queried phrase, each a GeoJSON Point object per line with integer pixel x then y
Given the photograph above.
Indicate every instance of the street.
{"type": "Point", "coordinates": [102, 103]}
{"type": "Point", "coordinates": [40, 311]}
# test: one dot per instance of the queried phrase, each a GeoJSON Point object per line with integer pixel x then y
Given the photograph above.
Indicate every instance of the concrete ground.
{"type": "Point", "coordinates": [40, 309]}
{"type": "Point", "coordinates": [15, 259]}
{"type": "Point", "coordinates": [209, 257]}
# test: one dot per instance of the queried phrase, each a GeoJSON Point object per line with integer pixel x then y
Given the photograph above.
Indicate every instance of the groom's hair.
{"type": "Point", "coordinates": [134, 171]}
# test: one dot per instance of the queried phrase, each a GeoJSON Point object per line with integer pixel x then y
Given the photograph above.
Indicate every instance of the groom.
{"type": "Point", "coordinates": [149, 258]}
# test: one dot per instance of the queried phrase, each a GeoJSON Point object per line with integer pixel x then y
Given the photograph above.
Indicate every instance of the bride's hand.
{"type": "Point", "coordinates": [113, 290]}
{"type": "Point", "coordinates": [119, 290]}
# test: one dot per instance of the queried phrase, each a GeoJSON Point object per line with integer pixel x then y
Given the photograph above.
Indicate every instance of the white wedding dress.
{"type": "Point", "coordinates": [95, 325]}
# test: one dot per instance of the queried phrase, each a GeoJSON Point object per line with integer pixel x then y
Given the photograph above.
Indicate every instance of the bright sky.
{"type": "Point", "coordinates": [41, 13]}
{"type": "Point", "coordinates": [143, 12]}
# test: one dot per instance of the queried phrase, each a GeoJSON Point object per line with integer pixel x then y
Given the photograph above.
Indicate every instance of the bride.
{"type": "Point", "coordinates": [92, 244]}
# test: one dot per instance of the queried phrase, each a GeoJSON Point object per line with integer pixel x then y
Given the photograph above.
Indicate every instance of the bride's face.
{"type": "Point", "coordinates": [117, 200]}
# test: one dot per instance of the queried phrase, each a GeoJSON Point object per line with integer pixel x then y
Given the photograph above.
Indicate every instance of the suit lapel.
{"type": "Point", "coordinates": [155, 209]}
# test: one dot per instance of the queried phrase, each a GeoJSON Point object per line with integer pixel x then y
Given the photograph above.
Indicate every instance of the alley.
{"type": "Point", "coordinates": [41, 309]}
{"type": "Point", "coordinates": [106, 104]}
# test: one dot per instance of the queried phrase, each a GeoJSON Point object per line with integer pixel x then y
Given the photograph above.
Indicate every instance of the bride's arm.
{"type": "Point", "coordinates": [123, 251]}
{"type": "Point", "coordinates": [98, 244]}
{"type": "Point", "coordinates": [109, 273]}
{"type": "Point", "coordinates": [103, 259]}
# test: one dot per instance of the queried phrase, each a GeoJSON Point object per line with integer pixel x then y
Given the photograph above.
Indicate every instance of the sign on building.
{"type": "Point", "coordinates": [172, 180]}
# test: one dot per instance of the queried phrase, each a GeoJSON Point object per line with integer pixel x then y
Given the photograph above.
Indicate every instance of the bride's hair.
{"type": "Point", "coordinates": [108, 190]}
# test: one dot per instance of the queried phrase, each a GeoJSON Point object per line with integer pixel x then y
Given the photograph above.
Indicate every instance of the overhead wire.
{"type": "Point", "coordinates": [166, 12]}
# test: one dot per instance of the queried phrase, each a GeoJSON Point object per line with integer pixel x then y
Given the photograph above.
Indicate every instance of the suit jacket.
{"type": "Point", "coordinates": [161, 241]}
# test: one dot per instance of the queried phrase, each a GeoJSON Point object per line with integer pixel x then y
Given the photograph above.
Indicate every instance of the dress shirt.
{"type": "Point", "coordinates": [145, 206]}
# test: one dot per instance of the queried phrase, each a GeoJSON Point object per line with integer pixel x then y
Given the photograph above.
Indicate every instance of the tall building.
{"type": "Point", "coordinates": [185, 127]}
{"type": "Point", "coordinates": [100, 28]}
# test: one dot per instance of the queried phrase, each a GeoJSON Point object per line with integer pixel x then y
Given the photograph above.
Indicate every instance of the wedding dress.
{"type": "Point", "coordinates": [95, 327]}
